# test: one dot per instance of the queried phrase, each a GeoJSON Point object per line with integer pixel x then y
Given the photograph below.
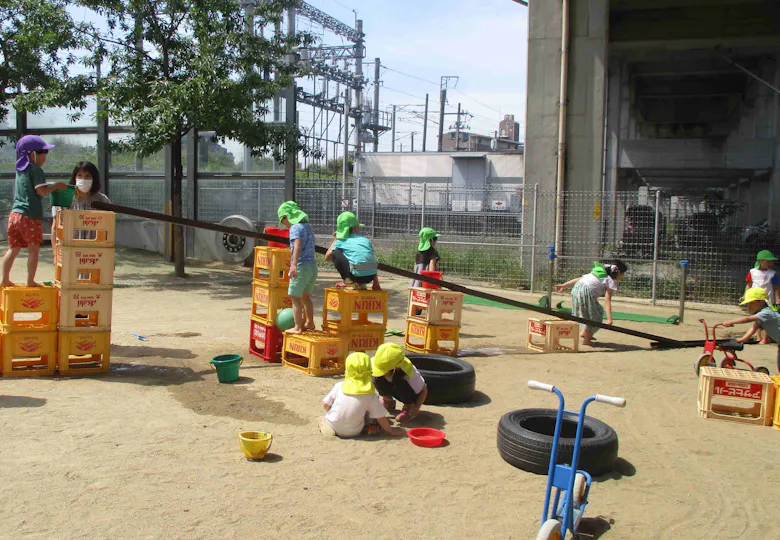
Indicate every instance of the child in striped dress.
{"type": "Point", "coordinates": [601, 281]}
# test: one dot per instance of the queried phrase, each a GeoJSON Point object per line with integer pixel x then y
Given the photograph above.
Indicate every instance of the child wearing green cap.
{"type": "Point", "coordinates": [762, 275]}
{"type": "Point", "coordinates": [353, 402]}
{"type": "Point", "coordinates": [303, 265]}
{"type": "Point", "coordinates": [353, 254]}
{"type": "Point", "coordinates": [761, 315]}
{"type": "Point", "coordinates": [427, 256]}
{"type": "Point", "coordinates": [601, 281]}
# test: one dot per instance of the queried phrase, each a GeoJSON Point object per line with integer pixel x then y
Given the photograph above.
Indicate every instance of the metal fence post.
{"type": "Point", "coordinates": [373, 207]}
{"type": "Point", "coordinates": [550, 261]}
{"type": "Point", "coordinates": [425, 196]}
{"type": "Point", "coordinates": [357, 198]}
{"type": "Point", "coordinates": [533, 238]}
{"type": "Point", "coordinates": [656, 236]}
{"type": "Point", "coordinates": [409, 213]}
{"type": "Point", "coordinates": [683, 278]}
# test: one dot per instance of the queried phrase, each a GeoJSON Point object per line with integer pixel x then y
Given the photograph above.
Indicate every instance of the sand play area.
{"type": "Point", "coordinates": [150, 449]}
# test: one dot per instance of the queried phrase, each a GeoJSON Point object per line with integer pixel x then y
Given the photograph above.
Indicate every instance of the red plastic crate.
{"type": "Point", "coordinates": [265, 341]}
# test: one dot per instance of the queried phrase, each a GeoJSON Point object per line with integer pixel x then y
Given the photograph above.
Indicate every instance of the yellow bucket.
{"type": "Point", "coordinates": [254, 444]}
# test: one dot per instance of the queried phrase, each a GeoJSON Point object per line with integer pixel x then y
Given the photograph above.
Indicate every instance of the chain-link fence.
{"type": "Point", "coordinates": [499, 234]}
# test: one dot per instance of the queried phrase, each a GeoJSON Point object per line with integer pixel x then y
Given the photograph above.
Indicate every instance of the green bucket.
{"type": "Point", "coordinates": [227, 366]}
{"type": "Point", "coordinates": [64, 197]}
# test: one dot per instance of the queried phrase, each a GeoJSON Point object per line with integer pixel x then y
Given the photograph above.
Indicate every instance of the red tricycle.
{"type": "Point", "coordinates": [728, 348]}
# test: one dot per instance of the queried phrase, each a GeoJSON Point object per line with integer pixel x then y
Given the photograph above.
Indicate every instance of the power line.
{"type": "Point", "coordinates": [409, 75]}
{"type": "Point", "coordinates": [477, 101]}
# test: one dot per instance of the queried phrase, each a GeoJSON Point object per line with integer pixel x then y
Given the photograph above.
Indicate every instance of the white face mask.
{"type": "Point", "coordinates": [84, 184]}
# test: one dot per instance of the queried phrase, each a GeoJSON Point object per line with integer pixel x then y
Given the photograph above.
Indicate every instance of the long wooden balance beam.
{"type": "Point", "coordinates": [660, 340]}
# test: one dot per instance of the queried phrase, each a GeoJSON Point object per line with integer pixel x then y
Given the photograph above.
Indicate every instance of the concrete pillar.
{"type": "Point", "coordinates": [773, 195]}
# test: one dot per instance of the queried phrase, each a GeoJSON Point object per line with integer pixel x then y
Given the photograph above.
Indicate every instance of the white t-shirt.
{"type": "Point", "coordinates": [416, 383]}
{"type": "Point", "coordinates": [347, 414]}
{"type": "Point", "coordinates": [598, 286]}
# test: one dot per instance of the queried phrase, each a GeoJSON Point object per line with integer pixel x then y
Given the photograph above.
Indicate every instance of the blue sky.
{"type": "Point", "coordinates": [483, 42]}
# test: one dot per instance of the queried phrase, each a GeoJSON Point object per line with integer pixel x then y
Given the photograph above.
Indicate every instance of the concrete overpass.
{"type": "Point", "coordinates": [669, 94]}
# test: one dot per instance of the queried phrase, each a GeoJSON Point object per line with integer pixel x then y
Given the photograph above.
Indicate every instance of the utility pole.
{"type": "Point", "coordinates": [393, 125]}
{"type": "Point", "coordinates": [291, 156]}
{"type": "Point", "coordinates": [358, 87]}
{"type": "Point", "coordinates": [443, 101]}
{"type": "Point", "coordinates": [412, 141]}
{"type": "Point", "coordinates": [376, 104]}
{"type": "Point", "coordinates": [457, 131]}
{"type": "Point", "coordinates": [425, 122]}
{"type": "Point", "coordinates": [345, 164]}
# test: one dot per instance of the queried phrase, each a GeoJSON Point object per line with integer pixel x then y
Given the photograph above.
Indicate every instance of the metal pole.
{"type": "Point", "coordinates": [551, 256]}
{"type": "Point", "coordinates": [377, 65]}
{"type": "Point", "coordinates": [655, 241]}
{"type": "Point", "coordinates": [683, 278]}
{"type": "Point", "coordinates": [533, 238]}
{"type": "Point", "coordinates": [373, 208]}
{"type": "Point", "coordinates": [409, 212]}
{"type": "Point", "coordinates": [457, 131]}
{"type": "Point", "coordinates": [443, 99]}
{"type": "Point", "coordinates": [358, 88]}
{"type": "Point", "coordinates": [291, 155]}
{"type": "Point", "coordinates": [425, 123]}
{"type": "Point", "coordinates": [425, 196]}
{"type": "Point", "coordinates": [412, 141]}
{"type": "Point", "coordinates": [356, 206]}
{"type": "Point", "coordinates": [393, 127]}
{"type": "Point", "coordinates": [345, 164]}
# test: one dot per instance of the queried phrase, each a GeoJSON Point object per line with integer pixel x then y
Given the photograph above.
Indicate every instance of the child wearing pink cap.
{"type": "Point", "coordinates": [25, 222]}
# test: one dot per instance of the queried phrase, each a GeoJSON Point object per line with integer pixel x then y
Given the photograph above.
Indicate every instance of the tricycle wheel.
{"type": "Point", "coordinates": [727, 364]}
{"type": "Point", "coordinates": [551, 530]}
{"type": "Point", "coordinates": [763, 370]}
{"type": "Point", "coordinates": [580, 488]}
{"type": "Point", "coordinates": [705, 360]}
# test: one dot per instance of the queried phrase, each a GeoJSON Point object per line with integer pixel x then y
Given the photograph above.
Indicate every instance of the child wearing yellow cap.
{"type": "Point", "coordinates": [353, 254]}
{"type": "Point", "coordinates": [762, 275]}
{"type": "Point", "coordinates": [303, 265]}
{"type": "Point", "coordinates": [395, 377]}
{"type": "Point", "coordinates": [427, 256]}
{"type": "Point", "coordinates": [354, 401]}
{"type": "Point", "coordinates": [761, 315]}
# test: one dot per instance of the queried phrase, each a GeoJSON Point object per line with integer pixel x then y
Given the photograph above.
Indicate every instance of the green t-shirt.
{"type": "Point", "coordinates": [26, 201]}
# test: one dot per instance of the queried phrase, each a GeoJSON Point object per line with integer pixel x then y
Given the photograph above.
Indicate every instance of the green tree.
{"type": "Point", "coordinates": [38, 42]}
{"type": "Point", "coordinates": [181, 64]}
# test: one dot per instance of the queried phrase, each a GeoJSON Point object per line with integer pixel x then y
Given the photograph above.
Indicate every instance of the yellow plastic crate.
{"type": "Point", "coordinates": [83, 351]}
{"type": "Point", "coordinates": [268, 300]}
{"type": "Point", "coordinates": [28, 308]}
{"type": "Point", "coordinates": [431, 339]}
{"type": "Point", "coordinates": [86, 308]}
{"type": "Point", "coordinates": [29, 353]}
{"type": "Point", "coordinates": [435, 306]}
{"type": "Point", "coordinates": [314, 353]}
{"type": "Point", "coordinates": [353, 307]}
{"type": "Point", "coordinates": [84, 267]}
{"type": "Point", "coordinates": [272, 265]}
{"type": "Point", "coordinates": [736, 394]}
{"type": "Point", "coordinates": [86, 228]}
{"type": "Point", "coordinates": [363, 338]}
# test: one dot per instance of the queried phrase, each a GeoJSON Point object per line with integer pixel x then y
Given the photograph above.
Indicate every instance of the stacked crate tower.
{"type": "Point", "coordinates": [433, 320]}
{"type": "Point", "coordinates": [28, 342]}
{"type": "Point", "coordinates": [269, 296]}
{"type": "Point", "coordinates": [84, 277]}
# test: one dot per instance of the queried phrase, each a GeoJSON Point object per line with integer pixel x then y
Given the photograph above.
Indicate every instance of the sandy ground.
{"type": "Point", "coordinates": [150, 449]}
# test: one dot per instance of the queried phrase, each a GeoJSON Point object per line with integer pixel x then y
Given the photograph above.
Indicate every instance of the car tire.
{"type": "Point", "coordinates": [450, 380]}
{"type": "Point", "coordinates": [525, 438]}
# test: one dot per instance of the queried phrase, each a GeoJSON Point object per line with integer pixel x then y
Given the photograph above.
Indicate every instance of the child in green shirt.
{"type": "Point", "coordinates": [25, 222]}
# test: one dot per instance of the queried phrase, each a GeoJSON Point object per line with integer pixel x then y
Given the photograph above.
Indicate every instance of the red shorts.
{"type": "Point", "coordinates": [24, 231]}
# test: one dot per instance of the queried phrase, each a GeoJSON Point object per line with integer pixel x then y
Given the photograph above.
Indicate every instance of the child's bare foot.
{"type": "Point", "coordinates": [310, 326]}
{"type": "Point", "coordinates": [6, 284]}
{"type": "Point", "coordinates": [296, 330]}
{"type": "Point", "coordinates": [376, 287]}
{"type": "Point", "coordinates": [763, 342]}
{"type": "Point", "coordinates": [587, 341]}
{"type": "Point", "coordinates": [33, 284]}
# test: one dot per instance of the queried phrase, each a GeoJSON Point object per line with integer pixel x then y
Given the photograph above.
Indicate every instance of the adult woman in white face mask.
{"type": "Point", "coordinates": [86, 178]}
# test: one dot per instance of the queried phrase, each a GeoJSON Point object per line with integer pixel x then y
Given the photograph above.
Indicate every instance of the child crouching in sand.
{"type": "Point", "coordinates": [354, 401]}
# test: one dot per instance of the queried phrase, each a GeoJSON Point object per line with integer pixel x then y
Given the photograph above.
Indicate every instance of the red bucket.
{"type": "Point", "coordinates": [431, 274]}
{"type": "Point", "coordinates": [273, 231]}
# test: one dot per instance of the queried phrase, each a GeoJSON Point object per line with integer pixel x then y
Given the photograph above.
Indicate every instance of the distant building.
{"type": "Point", "coordinates": [508, 130]}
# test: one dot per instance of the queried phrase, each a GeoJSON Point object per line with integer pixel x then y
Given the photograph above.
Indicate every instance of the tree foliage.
{"type": "Point", "coordinates": [38, 42]}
